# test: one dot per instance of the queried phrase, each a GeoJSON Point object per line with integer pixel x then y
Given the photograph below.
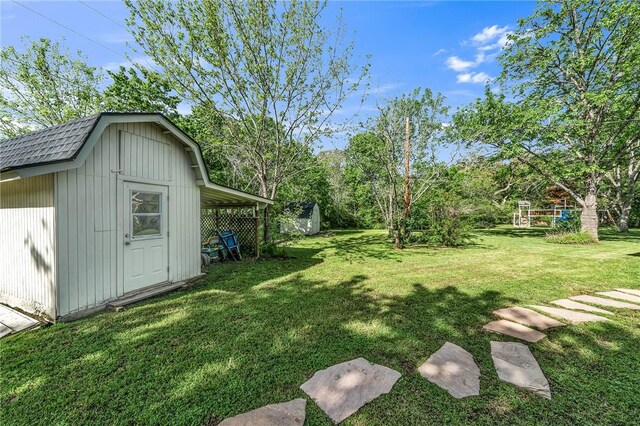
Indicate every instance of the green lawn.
{"type": "Point", "coordinates": [251, 333]}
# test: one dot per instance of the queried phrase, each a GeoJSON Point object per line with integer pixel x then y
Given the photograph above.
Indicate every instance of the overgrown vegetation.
{"type": "Point", "coordinates": [578, 237]}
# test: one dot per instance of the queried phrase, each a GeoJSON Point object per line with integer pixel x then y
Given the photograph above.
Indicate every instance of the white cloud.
{"type": "Point", "coordinates": [457, 64]}
{"type": "Point", "coordinates": [499, 44]}
{"type": "Point", "coordinates": [473, 77]}
{"type": "Point", "coordinates": [440, 51]}
{"type": "Point", "coordinates": [489, 33]}
{"type": "Point", "coordinates": [384, 88]}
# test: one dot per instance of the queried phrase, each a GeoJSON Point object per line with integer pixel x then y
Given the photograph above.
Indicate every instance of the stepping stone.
{"type": "Point", "coordinates": [515, 364]}
{"type": "Point", "coordinates": [605, 302]}
{"type": "Point", "coordinates": [290, 413]}
{"type": "Point", "coordinates": [570, 304]}
{"type": "Point", "coordinates": [527, 317]}
{"type": "Point", "coordinates": [629, 291]}
{"type": "Point", "coordinates": [344, 388]}
{"type": "Point", "coordinates": [571, 316]}
{"type": "Point", "coordinates": [620, 295]}
{"type": "Point", "coordinates": [514, 330]}
{"type": "Point", "coordinates": [453, 369]}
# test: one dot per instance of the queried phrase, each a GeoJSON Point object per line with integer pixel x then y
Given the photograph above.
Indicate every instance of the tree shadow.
{"type": "Point", "coordinates": [514, 232]}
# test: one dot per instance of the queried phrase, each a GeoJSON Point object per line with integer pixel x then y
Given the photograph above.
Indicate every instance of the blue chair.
{"type": "Point", "coordinates": [230, 245]}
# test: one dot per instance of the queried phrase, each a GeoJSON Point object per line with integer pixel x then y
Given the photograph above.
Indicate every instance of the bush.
{"type": "Point", "coordinates": [447, 226]}
{"type": "Point", "coordinates": [570, 225]}
{"type": "Point", "coordinates": [570, 238]}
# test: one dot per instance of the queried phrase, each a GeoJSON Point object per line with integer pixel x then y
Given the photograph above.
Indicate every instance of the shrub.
{"type": "Point", "coordinates": [447, 226]}
{"type": "Point", "coordinates": [570, 238]}
{"type": "Point", "coordinates": [570, 225]}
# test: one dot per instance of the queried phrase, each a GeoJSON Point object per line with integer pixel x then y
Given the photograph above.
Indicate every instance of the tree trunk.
{"type": "Point", "coordinates": [265, 227]}
{"type": "Point", "coordinates": [589, 217]}
{"type": "Point", "coordinates": [623, 221]}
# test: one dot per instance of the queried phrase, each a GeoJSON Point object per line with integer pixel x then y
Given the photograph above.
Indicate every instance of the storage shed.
{"type": "Point", "coordinates": [306, 218]}
{"type": "Point", "coordinates": [100, 208]}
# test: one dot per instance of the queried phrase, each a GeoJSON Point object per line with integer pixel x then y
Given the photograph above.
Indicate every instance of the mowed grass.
{"type": "Point", "coordinates": [251, 333]}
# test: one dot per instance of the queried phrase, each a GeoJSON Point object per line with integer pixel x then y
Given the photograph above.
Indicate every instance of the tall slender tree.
{"type": "Point", "coordinates": [271, 69]}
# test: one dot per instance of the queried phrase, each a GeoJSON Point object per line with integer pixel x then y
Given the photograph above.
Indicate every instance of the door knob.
{"type": "Point", "coordinates": [127, 243]}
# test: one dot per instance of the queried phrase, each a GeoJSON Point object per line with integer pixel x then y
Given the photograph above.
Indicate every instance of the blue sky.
{"type": "Point", "coordinates": [445, 45]}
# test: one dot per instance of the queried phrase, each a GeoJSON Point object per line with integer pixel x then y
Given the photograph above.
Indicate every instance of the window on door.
{"type": "Point", "coordinates": [146, 215]}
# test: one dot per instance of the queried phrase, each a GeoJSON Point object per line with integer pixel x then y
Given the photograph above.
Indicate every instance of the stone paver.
{"type": "Point", "coordinates": [527, 317]}
{"type": "Point", "coordinates": [620, 295]}
{"type": "Point", "coordinates": [571, 316]}
{"type": "Point", "coordinates": [629, 291]}
{"type": "Point", "coordinates": [605, 302]}
{"type": "Point", "coordinates": [516, 365]}
{"type": "Point", "coordinates": [290, 413]}
{"type": "Point", "coordinates": [342, 389]}
{"type": "Point", "coordinates": [571, 304]}
{"type": "Point", "coordinates": [514, 330]}
{"type": "Point", "coordinates": [453, 369]}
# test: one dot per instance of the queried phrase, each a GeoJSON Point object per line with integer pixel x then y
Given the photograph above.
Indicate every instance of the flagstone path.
{"type": "Point", "coordinates": [290, 413]}
{"type": "Point", "coordinates": [605, 302]}
{"type": "Point", "coordinates": [571, 304]}
{"type": "Point", "coordinates": [571, 316]}
{"type": "Point", "coordinates": [527, 317]}
{"type": "Point", "coordinates": [629, 291]}
{"type": "Point", "coordinates": [342, 389]}
{"type": "Point", "coordinates": [620, 295]}
{"type": "Point", "coordinates": [516, 365]}
{"type": "Point", "coordinates": [453, 369]}
{"type": "Point", "coordinates": [514, 330]}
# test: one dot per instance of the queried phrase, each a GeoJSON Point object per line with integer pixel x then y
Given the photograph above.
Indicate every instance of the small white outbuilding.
{"type": "Point", "coordinates": [306, 218]}
{"type": "Point", "coordinates": [100, 208]}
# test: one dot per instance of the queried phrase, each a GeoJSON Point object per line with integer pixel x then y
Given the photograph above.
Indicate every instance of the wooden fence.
{"type": "Point", "coordinates": [246, 226]}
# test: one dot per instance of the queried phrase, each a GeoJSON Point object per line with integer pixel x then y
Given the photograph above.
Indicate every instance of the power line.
{"type": "Point", "coordinates": [104, 15]}
{"type": "Point", "coordinates": [84, 36]}
{"type": "Point", "coordinates": [70, 29]}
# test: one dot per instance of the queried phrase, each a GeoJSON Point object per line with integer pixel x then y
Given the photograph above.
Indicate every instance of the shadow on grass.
{"type": "Point", "coordinates": [253, 332]}
{"type": "Point", "coordinates": [609, 234]}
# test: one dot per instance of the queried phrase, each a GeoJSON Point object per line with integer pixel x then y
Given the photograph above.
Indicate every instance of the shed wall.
{"type": "Point", "coordinates": [27, 251]}
{"type": "Point", "coordinates": [90, 224]}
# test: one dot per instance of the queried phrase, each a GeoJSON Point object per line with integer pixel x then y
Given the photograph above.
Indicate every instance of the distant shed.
{"type": "Point", "coordinates": [306, 218]}
{"type": "Point", "coordinates": [100, 208]}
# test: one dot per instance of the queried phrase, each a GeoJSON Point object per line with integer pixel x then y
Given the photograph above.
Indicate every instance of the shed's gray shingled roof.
{"type": "Point", "coordinates": [50, 145]}
{"type": "Point", "coordinates": [303, 209]}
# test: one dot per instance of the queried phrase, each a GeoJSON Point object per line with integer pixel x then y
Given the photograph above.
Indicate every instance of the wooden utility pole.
{"type": "Point", "coordinates": [407, 152]}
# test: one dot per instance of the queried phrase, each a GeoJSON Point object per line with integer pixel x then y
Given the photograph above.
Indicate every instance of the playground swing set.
{"type": "Point", "coordinates": [525, 215]}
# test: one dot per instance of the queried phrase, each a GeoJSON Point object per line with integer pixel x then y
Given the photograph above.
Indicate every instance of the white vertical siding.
{"type": "Point", "coordinates": [27, 251]}
{"type": "Point", "coordinates": [90, 211]}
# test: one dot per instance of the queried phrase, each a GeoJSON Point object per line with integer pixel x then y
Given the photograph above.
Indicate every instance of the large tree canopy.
{"type": "Point", "coordinates": [573, 69]}
{"type": "Point", "coordinates": [269, 68]}
{"type": "Point", "coordinates": [44, 85]}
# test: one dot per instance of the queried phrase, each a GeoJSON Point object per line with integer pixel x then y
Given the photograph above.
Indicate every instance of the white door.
{"type": "Point", "coordinates": [146, 240]}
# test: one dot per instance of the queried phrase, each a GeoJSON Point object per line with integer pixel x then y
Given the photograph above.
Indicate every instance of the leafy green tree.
{"type": "Point", "coordinates": [140, 90]}
{"type": "Point", "coordinates": [269, 68]}
{"type": "Point", "coordinates": [381, 154]}
{"type": "Point", "coordinates": [43, 85]}
{"type": "Point", "coordinates": [573, 68]}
